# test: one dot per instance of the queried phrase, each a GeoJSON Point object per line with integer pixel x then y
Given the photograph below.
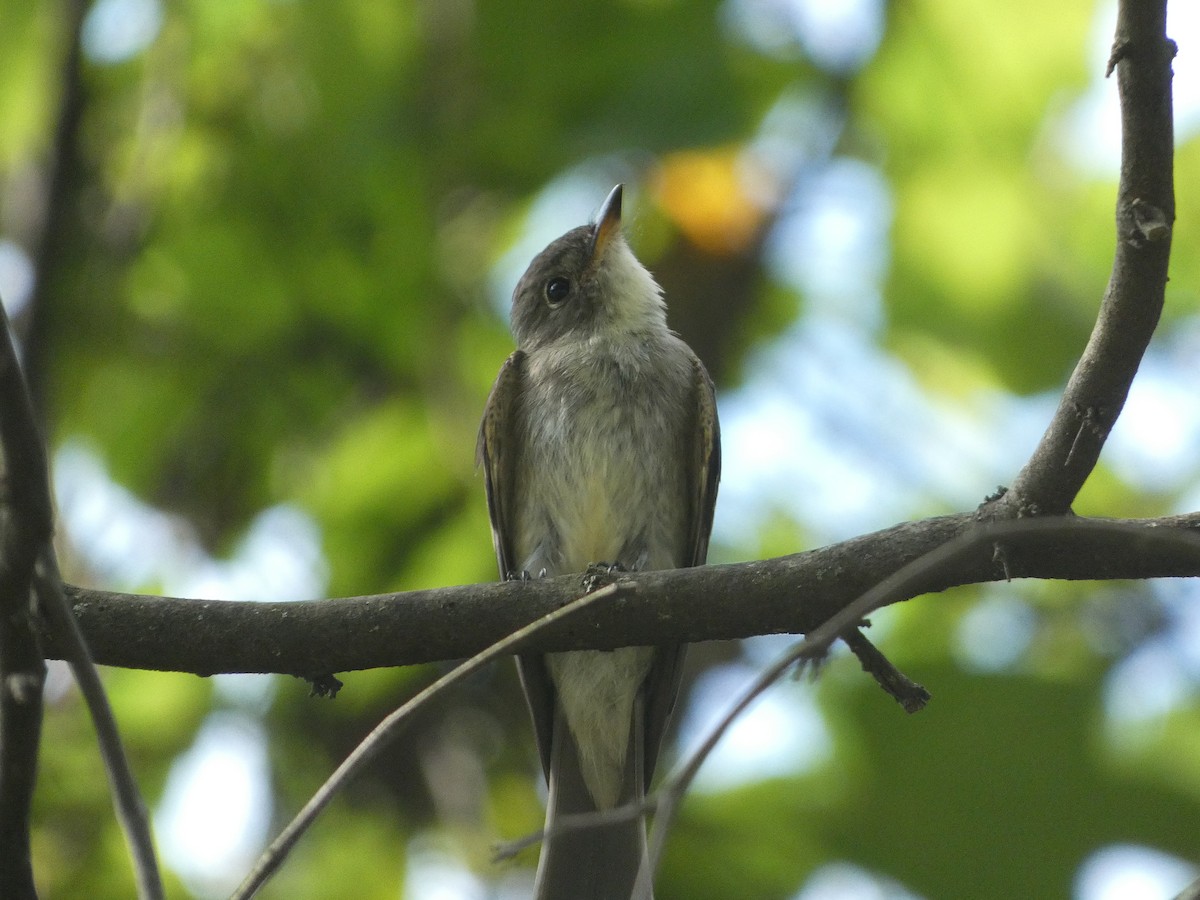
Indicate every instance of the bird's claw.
{"type": "Point", "coordinates": [600, 574]}
{"type": "Point", "coordinates": [524, 575]}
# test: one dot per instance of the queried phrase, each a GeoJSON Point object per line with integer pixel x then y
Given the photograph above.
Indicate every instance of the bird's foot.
{"type": "Point", "coordinates": [524, 575]}
{"type": "Point", "coordinates": [601, 574]}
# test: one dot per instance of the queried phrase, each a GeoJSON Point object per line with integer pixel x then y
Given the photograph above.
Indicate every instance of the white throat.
{"type": "Point", "coordinates": [635, 300]}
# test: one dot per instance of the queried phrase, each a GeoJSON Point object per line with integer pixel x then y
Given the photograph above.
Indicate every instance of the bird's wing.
{"type": "Point", "coordinates": [497, 453]}
{"type": "Point", "coordinates": [704, 472]}
{"type": "Point", "coordinates": [706, 464]}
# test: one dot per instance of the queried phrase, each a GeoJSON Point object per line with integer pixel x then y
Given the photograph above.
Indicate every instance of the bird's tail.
{"type": "Point", "coordinates": [598, 862]}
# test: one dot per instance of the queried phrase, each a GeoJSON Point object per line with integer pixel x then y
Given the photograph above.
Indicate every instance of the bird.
{"type": "Point", "coordinates": [600, 446]}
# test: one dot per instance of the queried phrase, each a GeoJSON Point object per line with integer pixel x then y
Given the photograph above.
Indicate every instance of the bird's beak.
{"type": "Point", "coordinates": [608, 224]}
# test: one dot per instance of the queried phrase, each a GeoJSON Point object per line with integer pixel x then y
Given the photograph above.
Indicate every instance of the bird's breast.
{"type": "Point", "coordinates": [603, 481]}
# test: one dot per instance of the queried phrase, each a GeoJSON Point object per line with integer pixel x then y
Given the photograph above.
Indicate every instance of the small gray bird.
{"type": "Point", "coordinates": [599, 445]}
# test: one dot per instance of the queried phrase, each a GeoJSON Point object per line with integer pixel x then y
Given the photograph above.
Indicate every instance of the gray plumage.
{"type": "Point", "coordinates": [599, 444]}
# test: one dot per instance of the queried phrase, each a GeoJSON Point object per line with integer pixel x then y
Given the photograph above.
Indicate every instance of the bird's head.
{"type": "Point", "coordinates": [586, 284]}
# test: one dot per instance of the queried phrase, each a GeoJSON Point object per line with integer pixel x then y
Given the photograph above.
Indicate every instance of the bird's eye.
{"type": "Point", "coordinates": [557, 290]}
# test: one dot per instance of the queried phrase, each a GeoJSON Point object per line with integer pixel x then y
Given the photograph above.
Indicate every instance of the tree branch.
{"type": "Point", "coordinates": [26, 528]}
{"type": "Point", "coordinates": [1191, 892]}
{"type": "Point", "coordinates": [28, 558]}
{"type": "Point", "coordinates": [1096, 392]}
{"type": "Point", "coordinates": [127, 799]}
{"type": "Point", "coordinates": [27, 525]}
{"type": "Point", "coordinates": [900, 584]}
{"type": "Point", "coordinates": [904, 690]}
{"type": "Point", "coordinates": [28, 552]}
{"type": "Point", "coordinates": [789, 594]}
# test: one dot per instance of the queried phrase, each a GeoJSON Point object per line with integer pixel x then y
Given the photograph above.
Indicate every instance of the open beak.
{"type": "Point", "coordinates": [608, 224]}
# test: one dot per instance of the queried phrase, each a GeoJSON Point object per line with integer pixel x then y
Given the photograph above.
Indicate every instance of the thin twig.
{"type": "Point", "coordinates": [273, 857]}
{"type": "Point", "coordinates": [581, 821]}
{"type": "Point", "coordinates": [899, 686]}
{"type": "Point", "coordinates": [127, 800]}
{"type": "Point", "coordinates": [1191, 892]}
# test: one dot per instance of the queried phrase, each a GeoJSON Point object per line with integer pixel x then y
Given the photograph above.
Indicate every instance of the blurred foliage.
{"type": "Point", "coordinates": [271, 281]}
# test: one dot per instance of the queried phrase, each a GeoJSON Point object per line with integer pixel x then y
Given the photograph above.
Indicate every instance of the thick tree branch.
{"type": "Point", "coordinates": [28, 559]}
{"type": "Point", "coordinates": [26, 527]}
{"type": "Point", "coordinates": [788, 594]}
{"type": "Point", "coordinates": [1096, 393]}
{"type": "Point", "coordinates": [28, 552]}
